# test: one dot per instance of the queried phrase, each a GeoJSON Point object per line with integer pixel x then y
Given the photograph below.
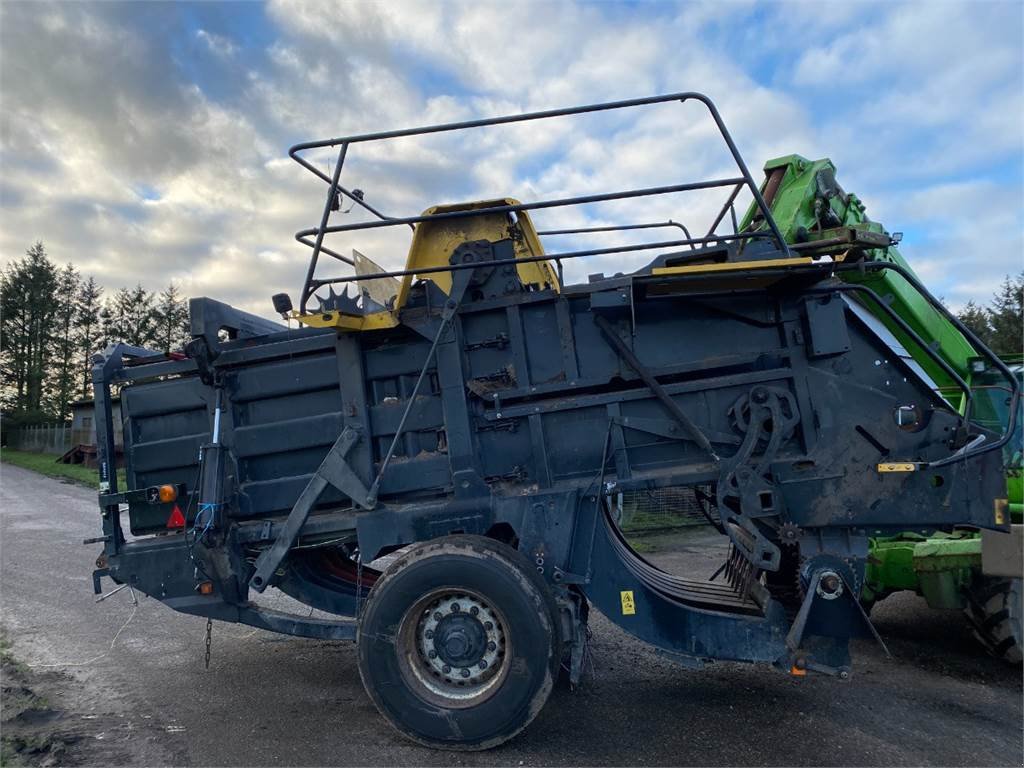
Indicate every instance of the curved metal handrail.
{"type": "Point", "coordinates": [335, 188]}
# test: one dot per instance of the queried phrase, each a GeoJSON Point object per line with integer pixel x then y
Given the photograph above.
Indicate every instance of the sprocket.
{"type": "Point", "coordinates": [789, 534]}
{"type": "Point", "coordinates": [339, 302]}
{"type": "Point", "coordinates": [350, 305]}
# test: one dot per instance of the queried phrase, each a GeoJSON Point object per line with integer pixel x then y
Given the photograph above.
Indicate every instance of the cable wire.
{"type": "Point", "coordinates": [117, 634]}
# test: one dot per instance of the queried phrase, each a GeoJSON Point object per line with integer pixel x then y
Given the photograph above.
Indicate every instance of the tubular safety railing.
{"type": "Point", "coordinates": [314, 238]}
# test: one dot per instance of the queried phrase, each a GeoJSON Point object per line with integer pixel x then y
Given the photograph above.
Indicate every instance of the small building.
{"type": "Point", "coordinates": [83, 422]}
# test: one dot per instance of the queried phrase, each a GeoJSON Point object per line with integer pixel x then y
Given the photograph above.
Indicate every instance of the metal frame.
{"type": "Point", "coordinates": [560, 519]}
{"type": "Point", "coordinates": [335, 189]}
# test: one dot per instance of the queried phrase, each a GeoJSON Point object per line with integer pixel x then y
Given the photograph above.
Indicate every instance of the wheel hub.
{"type": "Point", "coordinates": [460, 642]}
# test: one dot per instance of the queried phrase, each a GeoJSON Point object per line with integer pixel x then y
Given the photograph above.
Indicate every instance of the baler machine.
{"type": "Point", "coordinates": [474, 418]}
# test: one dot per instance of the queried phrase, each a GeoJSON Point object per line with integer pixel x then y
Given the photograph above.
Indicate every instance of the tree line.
{"type": "Point", "coordinates": [54, 319]}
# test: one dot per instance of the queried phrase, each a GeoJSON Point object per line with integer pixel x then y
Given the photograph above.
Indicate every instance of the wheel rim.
{"type": "Point", "coordinates": [453, 648]}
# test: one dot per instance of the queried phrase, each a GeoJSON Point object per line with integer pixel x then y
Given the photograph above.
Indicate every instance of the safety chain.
{"type": "Point", "coordinates": [359, 585]}
{"type": "Point", "coordinates": [209, 637]}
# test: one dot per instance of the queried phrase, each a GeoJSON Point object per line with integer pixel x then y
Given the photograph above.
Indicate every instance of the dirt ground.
{"type": "Point", "coordinates": [273, 700]}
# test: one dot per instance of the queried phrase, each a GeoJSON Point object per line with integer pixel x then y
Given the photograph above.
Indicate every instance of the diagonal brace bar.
{"type": "Point", "coordinates": [334, 471]}
{"type": "Point", "coordinates": [652, 383]}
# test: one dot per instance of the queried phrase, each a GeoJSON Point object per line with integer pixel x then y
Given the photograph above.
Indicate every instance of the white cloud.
{"type": "Point", "coordinates": [218, 44]}
{"type": "Point", "coordinates": [964, 244]}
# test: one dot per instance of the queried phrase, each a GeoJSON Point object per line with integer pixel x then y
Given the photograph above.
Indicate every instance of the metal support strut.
{"type": "Point", "coordinates": [659, 391]}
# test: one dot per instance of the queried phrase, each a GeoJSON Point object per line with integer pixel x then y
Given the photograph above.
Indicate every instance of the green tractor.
{"type": "Point", "coordinates": [976, 571]}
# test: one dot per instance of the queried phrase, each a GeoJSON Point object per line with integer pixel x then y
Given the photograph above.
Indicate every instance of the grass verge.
{"type": "Point", "coordinates": [47, 464]}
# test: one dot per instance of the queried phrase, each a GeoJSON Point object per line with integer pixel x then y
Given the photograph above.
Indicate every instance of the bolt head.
{"type": "Point", "coordinates": [465, 673]}
{"type": "Point", "coordinates": [446, 669]}
{"type": "Point", "coordinates": [431, 654]}
{"type": "Point", "coordinates": [456, 607]}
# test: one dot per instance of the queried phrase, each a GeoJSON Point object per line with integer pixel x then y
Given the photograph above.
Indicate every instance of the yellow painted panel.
{"type": "Point", "coordinates": [732, 266]}
{"type": "Point", "coordinates": [897, 466]}
{"type": "Point", "coordinates": [434, 242]}
{"type": "Point", "coordinates": [372, 322]}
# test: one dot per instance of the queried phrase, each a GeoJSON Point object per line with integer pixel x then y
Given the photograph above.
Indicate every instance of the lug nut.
{"type": "Point", "coordinates": [474, 610]}
{"type": "Point", "coordinates": [431, 654]}
{"type": "Point", "coordinates": [446, 669]}
{"type": "Point", "coordinates": [465, 673]}
{"type": "Point", "coordinates": [429, 634]}
{"type": "Point", "coordinates": [491, 647]}
{"type": "Point", "coordinates": [456, 608]}
{"type": "Point", "coordinates": [488, 625]}
{"type": "Point", "coordinates": [483, 664]}
{"type": "Point", "coordinates": [438, 616]}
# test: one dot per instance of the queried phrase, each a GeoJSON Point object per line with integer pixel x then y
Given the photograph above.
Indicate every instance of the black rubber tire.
{"type": "Point", "coordinates": [994, 609]}
{"type": "Point", "coordinates": [509, 583]}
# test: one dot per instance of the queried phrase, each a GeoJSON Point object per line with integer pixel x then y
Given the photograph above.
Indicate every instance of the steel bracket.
{"type": "Point", "coordinates": [814, 597]}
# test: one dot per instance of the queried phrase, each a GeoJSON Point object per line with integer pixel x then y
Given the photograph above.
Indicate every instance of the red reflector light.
{"type": "Point", "coordinates": [176, 520]}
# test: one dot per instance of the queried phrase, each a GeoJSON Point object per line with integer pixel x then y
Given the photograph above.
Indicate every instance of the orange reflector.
{"type": "Point", "coordinates": [176, 520]}
{"type": "Point", "coordinates": [795, 671]}
{"type": "Point", "coordinates": [205, 588]}
{"type": "Point", "coordinates": [168, 493]}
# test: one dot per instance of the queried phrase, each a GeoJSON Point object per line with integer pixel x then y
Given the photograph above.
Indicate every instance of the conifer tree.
{"type": "Point", "coordinates": [62, 375]}
{"type": "Point", "coordinates": [171, 319]}
{"type": "Point", "coordinates": [27, 313]}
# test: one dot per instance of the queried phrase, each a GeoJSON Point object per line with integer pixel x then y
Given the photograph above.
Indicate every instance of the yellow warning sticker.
{"type": "Point", "coordinates": [1000, 506]}
{"type": "Point", "coordinates": [628, 606]}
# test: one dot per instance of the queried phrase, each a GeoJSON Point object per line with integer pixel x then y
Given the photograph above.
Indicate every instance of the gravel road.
{"type": "Point", "coordinates": [274, 700]}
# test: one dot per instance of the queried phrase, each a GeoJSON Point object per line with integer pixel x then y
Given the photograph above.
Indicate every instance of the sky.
{"type": "Point", "coordinates": [147, 142]}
